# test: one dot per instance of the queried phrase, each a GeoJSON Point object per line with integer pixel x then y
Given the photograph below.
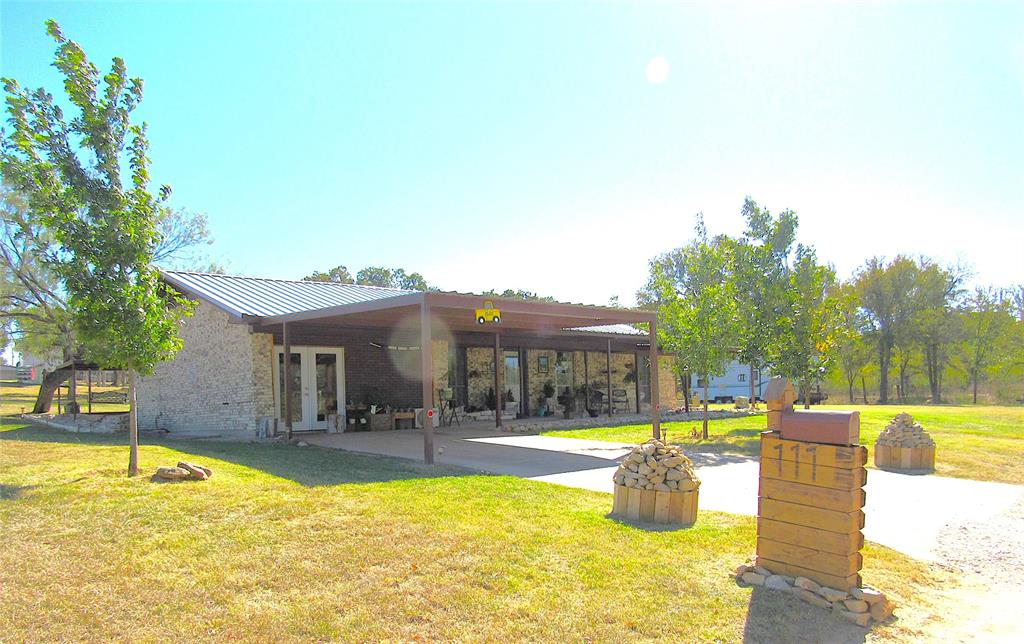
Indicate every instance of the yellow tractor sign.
{"type": "Point", "coordinates": [488, 314]}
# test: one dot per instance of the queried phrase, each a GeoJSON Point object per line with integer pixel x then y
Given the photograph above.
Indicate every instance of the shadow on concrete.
{"type": "Point", "coordinates": [776, 616]}
{"type": "Point", "coordinates": [309, 466]}
{"type": "Point", "coordinates": [705, 459]}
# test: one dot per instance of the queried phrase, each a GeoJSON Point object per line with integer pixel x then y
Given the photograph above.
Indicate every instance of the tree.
{"type": "Point", "coordinates": [391, 278]}
{"type": "Point", "coordinates": [339, 275]}
{"type": "Point", "coordinates": [33, 304]}
{"type": "Point", "coordinates": [884, 292]}
{"type": "Point", "coordinates": [987, 322]}
{"type": "Point", "coordinates": [852, 355]}
{"type": "Point", "coordinates": [936, 325]}
{"type": "Point", "coordinates": [519, 294]}
{"type": "Point", "coordinates": [697, 309]}
{"type": "Point", "coordinates": [105, 226]}
{"type": "Point", "coordinates": [810, 323]}
{"type": "Point", "coordinates": [761, 258]}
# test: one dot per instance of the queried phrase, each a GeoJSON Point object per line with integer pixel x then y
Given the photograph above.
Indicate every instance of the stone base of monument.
{"type": "Point", "coordinates": [891, 457]}
{"type": "Point", "coordinates": [652, 506]}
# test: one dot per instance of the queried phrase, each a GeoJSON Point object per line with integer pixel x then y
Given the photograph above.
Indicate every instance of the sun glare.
{"type": "Point", "coordinates": [657, 70]}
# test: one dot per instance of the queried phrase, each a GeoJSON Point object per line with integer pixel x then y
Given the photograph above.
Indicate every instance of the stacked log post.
{"type": "Point", "coordinates": [811, 493]}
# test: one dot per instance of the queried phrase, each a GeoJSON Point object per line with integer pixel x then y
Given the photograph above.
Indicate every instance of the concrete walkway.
{"type": "Point", "coordinates": [905, 512]}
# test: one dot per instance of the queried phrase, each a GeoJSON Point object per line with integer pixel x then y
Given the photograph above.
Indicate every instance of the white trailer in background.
{"type": "Point", "coordinates": [735, 382]}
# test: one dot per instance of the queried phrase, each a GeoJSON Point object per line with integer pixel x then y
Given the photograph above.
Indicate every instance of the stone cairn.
{"type": "Point", "coordinates": [184, 471]}
{"type": "Point", "coordinates": [904, 432]}
{"type": "Point", "coordinates": [904, 445]}
{"type": "Point", "coordinates": [656, 483]}
{"type": "Point", "coordinates": [654, 465]}
{"type": "Point", "coordinates": [858, 605]}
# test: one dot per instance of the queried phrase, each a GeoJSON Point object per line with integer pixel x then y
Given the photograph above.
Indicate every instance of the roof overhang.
{"type": "Point", "coordinates": [457, 312]}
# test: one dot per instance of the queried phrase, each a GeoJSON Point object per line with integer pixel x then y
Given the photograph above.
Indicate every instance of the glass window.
{"type": "Point", "coordinates": [743, 377]}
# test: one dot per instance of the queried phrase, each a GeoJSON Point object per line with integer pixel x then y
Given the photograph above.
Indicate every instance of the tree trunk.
{"type": "Point", "coordinates": [44, 400]}
{"type": "Point", "coordinates": [753, 391]}
{"type": "Point", "coordinates": [975, 388]}
{"type": "Point", "coordinates": [133, 428]}
{"type": "Point", "coordinates": [806, 386]}
{"type": "Point", "coordinates": [864, 388]}
{"type": "Point", "coordinates": [883, 377]}
{"type": "Point", "coordinates": [706, 407]}
{"type": "Point", "coordinates": [686, 395]}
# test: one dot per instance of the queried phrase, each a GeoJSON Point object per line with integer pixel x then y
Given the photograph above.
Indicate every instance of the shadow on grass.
{"type": "Point", "coordinates": [309, 466]}
{"type": "Point", "coordinates": [776, 616]}
{"type": "Point", "coordinates": [12, 492]}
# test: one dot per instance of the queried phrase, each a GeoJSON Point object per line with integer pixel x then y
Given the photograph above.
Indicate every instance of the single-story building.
{"type": "Point", "coordinates": [353, 348]}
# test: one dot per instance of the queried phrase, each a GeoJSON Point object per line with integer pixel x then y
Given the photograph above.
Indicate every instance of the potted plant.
{"type": "Point", "coordinates": [549, 396]}
{"type": "Point", "coordinates": [510, 403]}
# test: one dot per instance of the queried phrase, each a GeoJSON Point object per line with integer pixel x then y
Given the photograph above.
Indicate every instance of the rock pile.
{"type": "Point", "coordinates": [653, 465]}
{"type": "Point", "coordinates": [859, 605]}
{"type": "Point", "coordinates": [183, 471]}
{"type": "Point", "coordinates": [904, 432]}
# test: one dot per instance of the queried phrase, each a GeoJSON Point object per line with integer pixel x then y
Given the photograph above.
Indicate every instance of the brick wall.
{"type": "Point", "coordinates": [218, 384]}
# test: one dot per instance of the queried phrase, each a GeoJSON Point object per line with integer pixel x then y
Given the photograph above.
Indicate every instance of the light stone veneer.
{"type": "Point", "coordinates": [218, 385]}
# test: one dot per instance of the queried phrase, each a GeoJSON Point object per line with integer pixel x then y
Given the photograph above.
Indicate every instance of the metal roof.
{"type": "Point", "coordinates": [614, 329]}
{"type": "Point", "coordinates": [256, 296]}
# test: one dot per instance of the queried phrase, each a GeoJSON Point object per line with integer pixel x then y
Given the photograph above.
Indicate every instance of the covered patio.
{"type": "Point", "coordinates": [419, 319]}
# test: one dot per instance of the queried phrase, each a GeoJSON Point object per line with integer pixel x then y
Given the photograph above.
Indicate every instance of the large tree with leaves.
{"type": "Point", "coordinates": [761, 258]}
{"type": "Point", "coordinates": [104, 224]}
{"type": "Point", "coordinates": [697, 305]}
{"type": "Point", "coordinates": [810, 322]}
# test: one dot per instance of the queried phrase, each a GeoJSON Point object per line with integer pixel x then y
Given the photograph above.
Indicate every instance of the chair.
{"type": "Point", "coordinates": [449, 412]}
{"type": "Point", "coordinates": [620, 401]}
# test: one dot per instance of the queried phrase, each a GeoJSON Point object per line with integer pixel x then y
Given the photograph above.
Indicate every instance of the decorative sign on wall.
{"type": "Point", "coordinates": [488, 314]}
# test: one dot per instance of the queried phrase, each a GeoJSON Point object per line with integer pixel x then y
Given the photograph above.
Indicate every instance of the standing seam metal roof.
{"type": "Point", "coordinates": [265, 297]}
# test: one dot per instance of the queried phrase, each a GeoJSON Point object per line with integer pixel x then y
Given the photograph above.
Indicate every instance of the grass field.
{"type": "Point", "coordinates": [16, 398]}
{"type": "Point", "coordinates": [288, 543]}
{"type": "Point", "coordinates": [977, 442]}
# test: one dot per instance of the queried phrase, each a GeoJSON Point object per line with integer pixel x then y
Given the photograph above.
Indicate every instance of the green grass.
{"type": "Point", "coordinates": [17, 398]}
{"type": "Point", "coordinates": [288, 543]}
{"type": "Point", "coordinates": [972, 441]}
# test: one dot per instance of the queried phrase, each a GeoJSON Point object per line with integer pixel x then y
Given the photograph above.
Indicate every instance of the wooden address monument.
{"type": "Point", "coordinates": [811, 492]}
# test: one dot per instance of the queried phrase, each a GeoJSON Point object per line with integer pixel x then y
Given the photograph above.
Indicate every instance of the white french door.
{"type": "Point", "coordinates": [318, 385]}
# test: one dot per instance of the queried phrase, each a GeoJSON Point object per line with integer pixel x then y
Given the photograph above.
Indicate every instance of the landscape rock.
{"type": "Point", "coordinates": [881, 611]}
{"type": "Point", "coordinates": [196, 472]}
{"type": "Point", "coordinates": [172, 473]}
{"type": "Point", "coordinates": [753, 578]}
{"type": "Point", "coordinates": [860, 619]}
{"type": "Point", "coordinates": [778, 582]}
{"type": "Point", "coordinates": [832, 594]}
{"type": "Point", "coordinates": [868, 594]}
{"type": "Point", "coordinates": [812, 598]}
{"type": "Point", "coordinates": [856, 605]}
{"type": "Point", "coordinates": [806, 584]}
{"type": "Point", "coordinates": [761, 570]}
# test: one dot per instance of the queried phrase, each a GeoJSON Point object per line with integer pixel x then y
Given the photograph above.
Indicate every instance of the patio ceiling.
{"type": "Point", "coordinates": [456, 312]}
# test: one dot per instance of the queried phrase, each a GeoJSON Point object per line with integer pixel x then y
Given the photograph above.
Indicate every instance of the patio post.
{"type": "Point", "coordinates": [286, 370]}
{"type": "Point", "coordinates": [498, 363]}
{"type": "Point", "coordinates": [427, 377]}
{"type": "Point", "coordinates": [655, 372]}
{"type": "Point", "coordinates": [608, 364]}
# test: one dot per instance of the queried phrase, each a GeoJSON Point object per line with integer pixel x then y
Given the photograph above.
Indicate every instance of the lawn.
{"type": "Point", "coordinates": [288, 543]}
{"type": "Point", "coordinates": [16, 398]}
{"type": "Point", "coordinates": [972, 441]}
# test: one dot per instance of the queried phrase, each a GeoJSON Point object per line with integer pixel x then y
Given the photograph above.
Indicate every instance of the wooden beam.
{"type": "Point", "coordinates": [655, 372]}
{"type": "Point", "coordinates": [286, 371]}
{"type": "Point", "coordinates": [499, 364]}
{"type": "Point", "coordinates": [427, 378]}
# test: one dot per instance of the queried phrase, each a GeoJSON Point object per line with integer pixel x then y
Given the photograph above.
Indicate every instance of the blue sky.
{"type": "Point", "coordinates": [523, 145]}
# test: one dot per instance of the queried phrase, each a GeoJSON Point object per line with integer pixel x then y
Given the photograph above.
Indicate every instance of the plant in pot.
{"type": "Point", "coordinates": [542, 408]}
{"type": "Point", "coordinates": [549, 397]}
{"type": "Point", "coordinates": [491, 401]}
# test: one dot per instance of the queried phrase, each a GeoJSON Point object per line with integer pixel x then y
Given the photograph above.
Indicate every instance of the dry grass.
{"type": "Point", "coordinates": [17, 398]}
{"type": "Point", "coordinates": [972, 441]}
{"type": "Point", "coordinates": [285, 543]}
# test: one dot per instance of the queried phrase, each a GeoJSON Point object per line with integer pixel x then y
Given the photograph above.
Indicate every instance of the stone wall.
{"type": "Point", "coordinates": [479, 375]}
{"type": "Point", "coordinates": [667, 393]}
{"type": "Point", "coordinates": [219, 384]}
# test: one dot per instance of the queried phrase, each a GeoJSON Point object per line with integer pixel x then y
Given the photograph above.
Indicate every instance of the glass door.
{"type": "Point", "coordinates": [513, 381]}
{"type": "Point", "coordinates": [318, 386]}
{"type": "Point", "coordinates": [295, 372]}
